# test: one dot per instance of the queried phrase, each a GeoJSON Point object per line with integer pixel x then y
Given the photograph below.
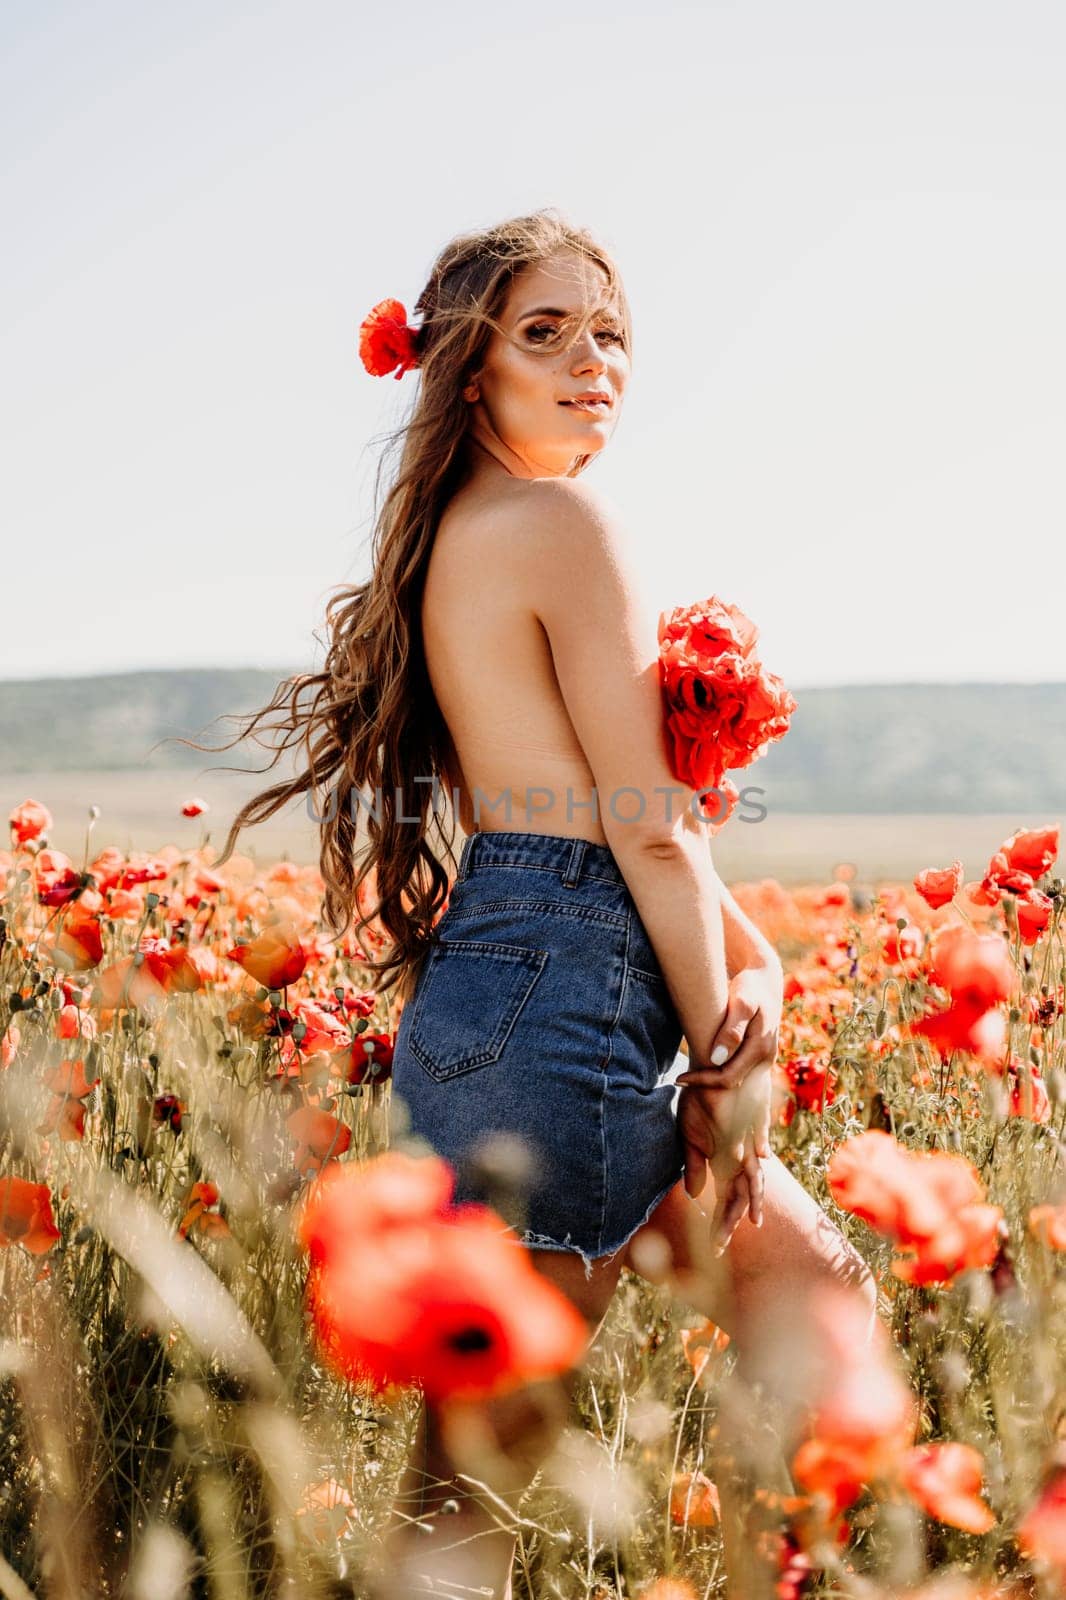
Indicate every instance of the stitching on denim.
{"type": "Point", "coordinates": [604, 1168]}
{"type": "Point", "coordinates": [481, 865]}
{"type": "Point", "coordinates": [613, 919]}
{"type": "Point", "coordinates": [649, 977]}
{"type": "Point", "coordinates": [659, 1198]}
{"type": "Point", "coordinates": [521, 957]}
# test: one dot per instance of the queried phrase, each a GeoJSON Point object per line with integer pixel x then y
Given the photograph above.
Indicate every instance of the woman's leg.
{"type": "Point", "coordinates": [501, 1443]}
{"type": "Point", "coordinates": [762, 1292]}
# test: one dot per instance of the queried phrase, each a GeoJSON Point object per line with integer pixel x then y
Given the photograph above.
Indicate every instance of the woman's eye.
{"type": "Point", "coordinates": [540, 332]}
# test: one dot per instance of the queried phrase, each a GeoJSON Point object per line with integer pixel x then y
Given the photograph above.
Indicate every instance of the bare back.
{"type": "Point", "coordinates": [518, 762]}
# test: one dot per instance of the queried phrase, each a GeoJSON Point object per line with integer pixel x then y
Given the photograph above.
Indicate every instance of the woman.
{"type": "Point", "coordinates": [502, 648]}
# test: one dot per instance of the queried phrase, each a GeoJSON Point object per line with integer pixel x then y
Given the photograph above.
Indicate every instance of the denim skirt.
{"type": "Point", "coordinates": [541, 1013]}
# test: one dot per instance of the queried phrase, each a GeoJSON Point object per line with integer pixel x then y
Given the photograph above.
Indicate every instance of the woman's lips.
{"type": "Point", "coordinates": [595, 406]}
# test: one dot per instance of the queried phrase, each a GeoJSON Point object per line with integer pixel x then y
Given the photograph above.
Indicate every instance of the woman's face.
{"type": "Point", "coordinates": [524, 397]}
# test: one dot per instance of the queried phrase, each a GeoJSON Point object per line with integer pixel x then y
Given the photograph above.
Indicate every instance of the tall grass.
{"type": "Point", "coordinates": [168, 1426]}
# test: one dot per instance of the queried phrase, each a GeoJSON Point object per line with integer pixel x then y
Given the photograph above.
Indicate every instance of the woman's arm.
{"type": "Point", "coordinates": [745, 944]}
{"type": "Point", "coordinates": [580, 579]}
{"type": "Point", "coordinates": [748, 1036]}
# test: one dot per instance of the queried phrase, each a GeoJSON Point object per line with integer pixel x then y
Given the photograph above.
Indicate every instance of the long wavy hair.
{"type": "Point", "coordinates": [368, 725]}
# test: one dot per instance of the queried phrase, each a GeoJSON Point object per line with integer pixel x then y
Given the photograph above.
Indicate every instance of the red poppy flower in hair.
{"type": "Point", "coordinates": [387, 341]}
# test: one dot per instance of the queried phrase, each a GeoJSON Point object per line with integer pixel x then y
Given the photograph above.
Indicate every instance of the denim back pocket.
{"type": "Point", "coordinates": [469, 998]}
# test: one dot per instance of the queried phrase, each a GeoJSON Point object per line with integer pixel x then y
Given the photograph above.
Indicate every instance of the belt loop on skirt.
{"type": "Point", "coordinates": [464, 858]}
{"type": "Point", "coordinates": [572, 870]}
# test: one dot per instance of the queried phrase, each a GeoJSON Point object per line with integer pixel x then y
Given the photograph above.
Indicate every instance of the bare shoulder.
{"type": "Point", "coordinates": [559, 528]}
{"type": "Point", "coordinates": [564, 505]}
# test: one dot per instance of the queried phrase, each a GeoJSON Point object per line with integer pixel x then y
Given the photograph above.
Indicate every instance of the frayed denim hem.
{"type": "Point", "coordinates": [544, 1241]}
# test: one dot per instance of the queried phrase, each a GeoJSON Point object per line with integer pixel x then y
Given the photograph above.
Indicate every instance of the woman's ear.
{"type": "Point", "coordinates": [472, 390]}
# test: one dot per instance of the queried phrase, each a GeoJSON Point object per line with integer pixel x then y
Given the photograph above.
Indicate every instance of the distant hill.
{"type": "Point", "coordinates": [973, 747]}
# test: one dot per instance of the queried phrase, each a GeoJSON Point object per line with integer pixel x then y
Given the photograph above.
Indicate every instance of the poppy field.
{"type": "Point", "coordinates": [227, 1278]}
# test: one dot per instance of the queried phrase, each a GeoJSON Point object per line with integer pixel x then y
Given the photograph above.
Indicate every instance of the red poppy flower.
{"type": "Point", "coordinates": [938, 886]}
{"type": "Point", "coordinates": [405, 1287]}
{"type": "Point", "coordinates": [392, 1190]}
{"type": "Point", "coordinates": [29, 821]}
{"type": "Point", "coordinates": [1048, 1224]}
{"type": "Point", "coordinates": [945, 1480]}
{"type": "Point", "coordinates": [932, 1202]}
{"type": "Point", "coordinates": [386, 341]}
{"type": "Point", "coordinates": [1042, 1531]}
{"type": "Point", "coordinates": [1032, 850]}
{"type": "Point", "coordinates": [1027, 1092]}
{"type": "Point", "coordinates": [979, 1030]}
{"type": "Point", "coordinates": [26, 1215]}
{"type": "Point", "coordinates": [451, 1303]}
{"type": "Point", "coordinates": [80, 938]}
{"type": "Point", "coordinates": [57, 881]}
{"type": "Point", "coordinates": [973, 967]}
{"type": "Point", "coordinates": [861, 1413]}
{"type": "Point", "coordinates": [901, 944]}
{"type": "Point", "coordinates": [1034, 913]}
{"type": "Point", "coordinates": [371, 1058]}
{"type": "Point", "coordinates": [812, 1084]}
{"type": "Point", "coordinates": [199, 1215]}
{"type": "Point", "coordinates": [319, 1135]}
{"type": "Point", "coordinates": [275, 958]}
{"type": "Point", "coordinates": [167, 1109]}
{"type": "Point", "coordinates": [195, 807]}
{"type": "Point", "coordinates": [721, 708]}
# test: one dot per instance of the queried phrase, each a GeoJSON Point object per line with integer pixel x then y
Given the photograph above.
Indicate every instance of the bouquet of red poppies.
{"type": "Point", "coordinates": [722, 708]}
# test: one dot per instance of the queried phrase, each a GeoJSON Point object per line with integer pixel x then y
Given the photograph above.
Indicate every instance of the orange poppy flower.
{"type": "Point", "coordinates": [274, 958]}
{"type": "Point", "coordinates": [669, 1589]}
{"type": "Point", "coordinates": [1027, 1092]}
{"type": "Point", "coordinates": [945, 1480]}
{"type": "Point", "coordinates": [860, 1412]}
{"type": "Point", "coordinates": [319, 1135]}
{"type": "Point", "coordinates": [26, 1215]}
{"type": "Point", "coordinates": [80, 938]}
{"type": "Point", "coordinates": [29, 821]}
{"type": "Point", "coordinates": [1048, 1224]}
{"type": "Point", "coordinates": [198, 1215]}
{"type": "Point", "coordinates": [1042, 1531]}
{"type": "Point", "coordinates": [694, 1501]}
{"type": "Point", "coordinates": [698, 1343]}
{"type": "Point", "coordinates": [931, 1201]}
{"type": "Point", "coordinates": [326, 1510]}
{"type": "Point", "coordinates": [70, 1087]}
{"type": "Point", "coordinates": [55, 877]}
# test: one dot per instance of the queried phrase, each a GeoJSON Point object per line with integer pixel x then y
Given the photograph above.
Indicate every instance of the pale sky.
{"type": "Point", "coordinates": [841, 228]}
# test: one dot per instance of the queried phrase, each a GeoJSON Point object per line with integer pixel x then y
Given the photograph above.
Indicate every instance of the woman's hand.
{"type": "Point", "coordinates": [718, 1131]}
{"type": "Point", "coordinates": [748, 1034]}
